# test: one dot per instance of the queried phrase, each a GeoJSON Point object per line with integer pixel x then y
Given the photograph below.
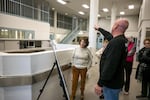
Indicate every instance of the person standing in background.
{"type": "Point", "coordinates": [99, 54]}
{"type": "Point", "coordinates": [100, 51]}
{"type": "Point", "coordinates": [81, 61]}
{"type": "Point", "coordinates": [111, 78]}
{"type": "Point", "coordinates": [143, 69]}
{"type": "Point", "coordinates": [129, 63]}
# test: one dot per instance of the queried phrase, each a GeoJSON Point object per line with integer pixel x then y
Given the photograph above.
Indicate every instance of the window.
{"type": "Point", "coordinates": [34, 9]}
{"type": "Point", "coordinates": [64, 21]}
{"type": "Point", "coordinates": [16, 33]}
{"type": "Point", "coordinates": [51, 18]}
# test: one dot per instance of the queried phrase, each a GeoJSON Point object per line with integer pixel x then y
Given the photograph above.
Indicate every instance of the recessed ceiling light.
{"type": "Point", "coordinates": [2, 30]}
{"type": "Point", "coordinates": [105, 9]}
{"type": "Point", "coordinates": [85, 6]}
{"type": "Point", "coordinates": [122, 13]}
{"type": "Point", "coordinates": [98, 15]}
{"type": "Point", "coordinates": [80, 12]}
{"type": "Point", "coordinates": [62, 2]}
{"type": "Point", "coordinates": [80, 33]}
{"type": "Point", "coordinates": [66, 13]}
{"type": "Point", "coordinates": [131, 7]}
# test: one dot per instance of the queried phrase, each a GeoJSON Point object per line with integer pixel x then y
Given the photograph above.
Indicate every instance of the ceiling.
{"type": "Point", "coordinates": [73, 6]}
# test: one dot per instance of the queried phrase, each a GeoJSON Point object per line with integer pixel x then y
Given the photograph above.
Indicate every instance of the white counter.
{"type": "Point", "coordinates": [24, 68]}
{"type": "Point", "coordinates": [14, 64]}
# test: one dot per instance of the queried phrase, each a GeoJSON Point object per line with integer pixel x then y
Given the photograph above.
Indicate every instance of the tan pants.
{"type": "Point", "coordinates": [76, 73]}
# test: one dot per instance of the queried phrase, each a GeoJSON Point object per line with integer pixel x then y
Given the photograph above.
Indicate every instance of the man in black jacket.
{"type": "Point", "coordinates": [111, 77]}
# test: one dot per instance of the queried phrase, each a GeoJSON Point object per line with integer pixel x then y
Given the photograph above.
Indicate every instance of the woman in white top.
{"type": "Point", "coordinates": [100, 51]}
{"type": "Point", "coordinates": [81, 60]}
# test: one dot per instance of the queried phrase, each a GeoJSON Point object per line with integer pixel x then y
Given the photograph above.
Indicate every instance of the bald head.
{"type": "Point", "coordinates": [123, 23]}
{"type": "Point", "coordinates": [120, 26]}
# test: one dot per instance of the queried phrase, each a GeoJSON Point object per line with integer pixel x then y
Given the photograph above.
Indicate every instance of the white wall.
{"type": "Point", "coordinates": [1, 65]}
{"type": "Point", "coordinates": [104, 23]}
{"type": "Point", "coordinates": [145, 9]}
{"type": "Point", "coordinates": [42, 29]}
{"type": "Point", "coordinates": [144, 22]}
{"type": "Point", "coordinates": [144, 26]}
{"type": "Point", "coordinates": [132, 29]}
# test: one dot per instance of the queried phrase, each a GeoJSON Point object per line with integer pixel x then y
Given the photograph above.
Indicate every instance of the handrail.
{"type": "Point", "coordinates": [70, 36]}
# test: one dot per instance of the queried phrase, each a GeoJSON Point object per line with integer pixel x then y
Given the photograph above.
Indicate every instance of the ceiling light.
{"type": "Point", "coordinates": [66, 13]}
{"type": "Point", "coordinates": [131, 7]}
{"type": "Point", "coordinates": [62, 2]}
{"type": "Point", "coordinates": [80, 12]}
{"type": "Point", "coordinates": [2, 30]}
{"type": "Point", "coordinates": [85, 6]}
{"type": "Point", "coordinates": [53, 8]}
{"type": "Point", "coordinates": [122, 13]}
{"type": "Point", "coordinates": [80, 33]}
{"type": "Point", "coordinates": [105, 9]}
{"type": "Point", "coordinates": [98, 15]}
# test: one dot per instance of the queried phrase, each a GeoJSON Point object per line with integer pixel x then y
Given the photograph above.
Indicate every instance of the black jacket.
{"type": "Point", "coordinates": [144, 56]}
{"type": "Point", "coordinates": [112, 63]}
{"type": "Point", "coordinates": [106, 34]}
{"type": "Point", "coordinates": [143, 68]}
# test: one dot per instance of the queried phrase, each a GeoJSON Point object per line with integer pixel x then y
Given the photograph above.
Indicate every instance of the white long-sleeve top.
{"type": "Point", "coordinates": [82, 58]}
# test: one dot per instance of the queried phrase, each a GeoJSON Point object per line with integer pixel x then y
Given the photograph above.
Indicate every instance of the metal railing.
{"type": "Point", "coordinates": [19, 9]}
{"type": "Point", "coordinates": [70, 36]}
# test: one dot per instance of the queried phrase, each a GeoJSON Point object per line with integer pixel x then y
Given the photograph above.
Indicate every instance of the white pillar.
{"type": "Point", "coordinates": [16, 34]}
{"type": "Point", "coordinates": [144, 21]}
{"type": "Point", "coordinates": [142, 37]}
{"type": "Point", "coordinates": [39, 12]}
{"type": "Point", "coordinates": [94, 5]}
{"type": "Point", "coordinates": [55, 24]}
{"type": "Point", "coordinates": [55, 19]}
{"type": "Point", "coordinates": [113, 14]}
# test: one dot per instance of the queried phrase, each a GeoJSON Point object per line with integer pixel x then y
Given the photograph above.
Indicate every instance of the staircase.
{"type": "Point", "coordinates": [70, 36]}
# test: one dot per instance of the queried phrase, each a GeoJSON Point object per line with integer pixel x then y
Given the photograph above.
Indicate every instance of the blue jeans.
{"type": "Point", "coordinates": [111, 94]}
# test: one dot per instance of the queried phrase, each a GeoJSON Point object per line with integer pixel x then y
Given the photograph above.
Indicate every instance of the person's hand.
{"type": "Point", "coordinates": [98, 90]}
{"type": "Point", "coordinates": [96, 27]}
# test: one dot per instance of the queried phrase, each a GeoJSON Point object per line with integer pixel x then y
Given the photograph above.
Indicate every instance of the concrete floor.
{"type": "Point", "coordinates": [135, 87]}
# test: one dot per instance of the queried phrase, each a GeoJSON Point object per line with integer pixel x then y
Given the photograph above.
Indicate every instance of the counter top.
{"type": "Point", "coordinates": [11, 39]}
{"type": "Point", "coordinates": [28, 50]}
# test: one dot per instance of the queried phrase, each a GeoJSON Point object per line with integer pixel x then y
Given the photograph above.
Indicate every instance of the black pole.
{"type": "Point", "coordinates": [41, 90]}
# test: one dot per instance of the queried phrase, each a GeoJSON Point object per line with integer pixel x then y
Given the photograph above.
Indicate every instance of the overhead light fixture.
{"type": "Point", "coordinates": [82, 13]}
{"type": "Point", "coordinates": [2, 30]}
{"type": "Point", "coordinates": [66, 13]}
{"type": "Point", "coordinates": [80, 33]}
{"type": "Point", "coordinates": [98, 15]}
{"type": "Point", "coordinates": [62, 2]}
{"type": "Point", "coordinates": [122, 13]}
{"type": "Point", "coordinates": [131, 7]}
{"type": "Point", "coordinates": [105, 10]}
{"type": "Point", "coordinates": [85, 6]}
{"type": "Point", "coordinates": [53, 8]}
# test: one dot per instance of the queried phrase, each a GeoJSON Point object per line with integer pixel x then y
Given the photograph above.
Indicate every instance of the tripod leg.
{"type": "Point", "coordinates": [62, 82]}
{"type": "Point", "coordinates": [41, 91]}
